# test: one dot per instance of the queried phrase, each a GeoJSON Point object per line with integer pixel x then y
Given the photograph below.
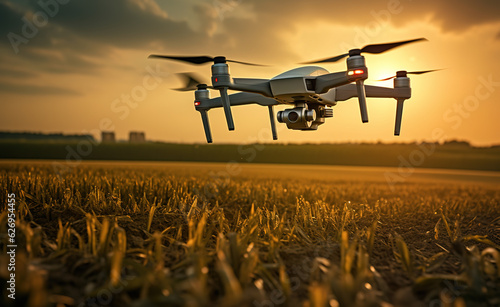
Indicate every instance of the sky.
{"type": "Point", "coordinates": [76, 66]}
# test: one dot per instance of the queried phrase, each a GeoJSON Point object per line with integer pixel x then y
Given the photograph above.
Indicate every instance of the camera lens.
{"type": "Point", "coordinates": [293, 116]}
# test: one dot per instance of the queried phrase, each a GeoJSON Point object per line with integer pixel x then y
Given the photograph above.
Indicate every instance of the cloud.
{"type": "Point", "coordinates": [121, 23]}
{"type": "Point", "coordinates": [82, 35]}
{"type": "Point", "coordinates": [139, 24]}
{"type": "Point", "coordinates": [15, 73]}
{"type": "Point", "coordinates": [208, 18]}
{"type": "Point", "coordinates": [451, 15]}
{"type": "Point", "coordinates": [461, 15]}
{"type": "Point", "coordinates": [29, 89]}
{"type": "Point", "coordinates": [8, 17]}
{"type": "Point", "coordinates": [130, 24]}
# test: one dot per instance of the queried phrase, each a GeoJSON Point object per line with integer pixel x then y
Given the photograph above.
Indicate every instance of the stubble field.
{"type": "Point", "coordinates": [200, 234]}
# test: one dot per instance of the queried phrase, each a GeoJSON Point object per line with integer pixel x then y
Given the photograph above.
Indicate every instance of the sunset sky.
{"type": "Point", "coordinates": [78, 66]}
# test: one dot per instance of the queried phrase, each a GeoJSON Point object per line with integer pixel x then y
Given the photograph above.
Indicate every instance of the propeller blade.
{"type": "Point", "coordinates": [422, 72]}
{"type": "Point", "coordinates": [374, 48]}
{"type": "Point", "coordinates": [246, 63]}
{"type": "Point", "coordinates": [197, 60]}
{"type": "Point", "coordinates": [386, 79]}
{"type": "Point", "coordinates": [188, 59]}
{"type": "Point", "coordinates": [412, 73]}
{"type": "Point", "coordinates": [190, 80]}
{"type": "Point", "coordinates": [328, 60]}
{"type": "Point", "coordinates": [379, 48]}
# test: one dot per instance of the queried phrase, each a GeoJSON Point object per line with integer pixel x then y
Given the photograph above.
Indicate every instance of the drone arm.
{"type": "Point", "coordinates": [237, 99]}
{"type": "Point", "coordinates": [385, 92]}
{"type": "Point", "coordinates": [399, 93]}
{"type": "Point", "coordinates": [348, 91]}
{"type": "Point", "coordinates": [258, 86]}
{"type": "Point", "coordinates": [325, 82]}
{"type": "Point", "coordinates": [203, 104]}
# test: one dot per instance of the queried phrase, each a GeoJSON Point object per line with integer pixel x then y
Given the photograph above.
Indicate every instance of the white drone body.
{"type": "Point", "coordinates": [311, 90]}
{"type": "Point", "coordinates": [297, 82]}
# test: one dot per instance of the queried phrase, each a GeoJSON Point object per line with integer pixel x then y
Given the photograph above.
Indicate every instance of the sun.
{"type": "Point", "coordinates": [377, 72]}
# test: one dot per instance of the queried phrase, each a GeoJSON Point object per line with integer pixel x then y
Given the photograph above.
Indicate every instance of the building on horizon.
{"type": "Point", "coordinates": [137, 137]}
{"type": "Point", "coordinates": [108, 137]}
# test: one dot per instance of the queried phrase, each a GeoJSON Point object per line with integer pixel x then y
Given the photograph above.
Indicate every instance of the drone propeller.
{"type": "Point", "coordinates": [374, 49]}
{"type": "Point", "coordinates": [191, 82]}
{"type": "Point", "coordinates": [356, 61]}
{"type": "Point", "coordinates": [404, 73]}
{"type": "Point", "coordinates": [198, 60]}
{"type": "Point", "coordinates": [220, 77]}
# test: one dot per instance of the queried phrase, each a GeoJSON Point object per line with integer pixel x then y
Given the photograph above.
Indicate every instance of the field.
{"type": "Point", "coordinates": [451, 155]}
{"type": "Point", "coordinates": [217, 234]}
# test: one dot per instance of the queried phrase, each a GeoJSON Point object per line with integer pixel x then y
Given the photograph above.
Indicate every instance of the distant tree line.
{"type": "Point", "coordinates": [6, 135]}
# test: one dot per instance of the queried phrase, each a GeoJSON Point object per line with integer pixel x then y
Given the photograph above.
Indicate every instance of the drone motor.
{"type": "Point", "coordinates": [221, 80]}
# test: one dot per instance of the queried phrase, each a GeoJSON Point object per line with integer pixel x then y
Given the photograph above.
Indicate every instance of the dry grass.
{"type": "Point", "coordinates": [182, 236]}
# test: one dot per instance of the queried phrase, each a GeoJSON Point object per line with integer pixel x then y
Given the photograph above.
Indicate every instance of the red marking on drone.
{"type": "Point", "coordinates": [356, 72]}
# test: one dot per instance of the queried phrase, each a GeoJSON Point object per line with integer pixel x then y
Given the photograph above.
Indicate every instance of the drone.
{"type": "Point", "coordinates": [311, 90]}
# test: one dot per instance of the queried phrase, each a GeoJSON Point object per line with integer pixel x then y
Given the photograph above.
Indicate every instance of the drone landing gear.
{"type": "Point", "coordinates": [362, 100]}
{"type": "Point", "coordinates": [399, 116]}
{"type": "Point", "coordinates": [206, 125]}
{"type": "Point", "coordinates": [273, 123]}
{"type": "Point", "coordinates": [401, 81]}
{"type": "Point", "coordinates": [227, 108]}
